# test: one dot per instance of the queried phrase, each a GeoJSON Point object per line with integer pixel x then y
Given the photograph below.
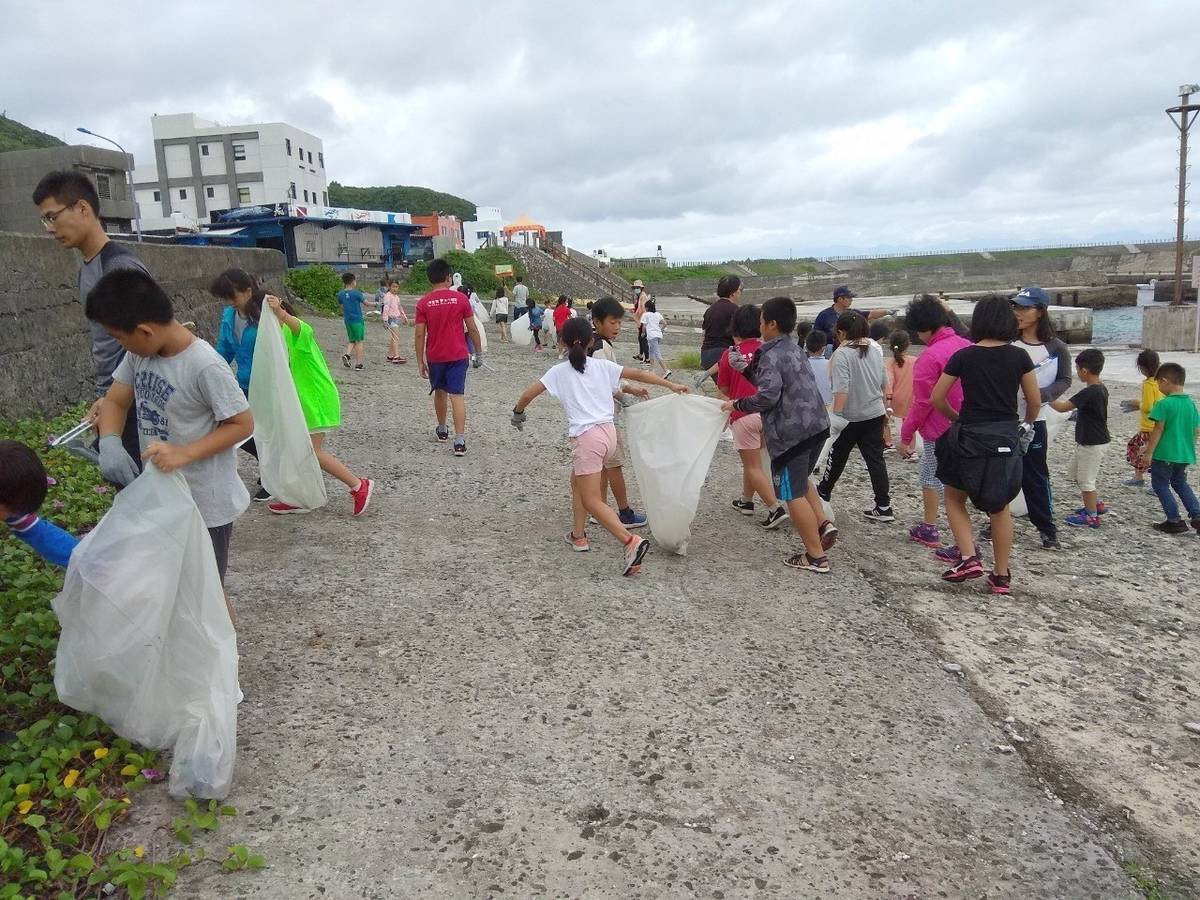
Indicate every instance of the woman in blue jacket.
{"type": "Point", "coordinates": [238, 332]}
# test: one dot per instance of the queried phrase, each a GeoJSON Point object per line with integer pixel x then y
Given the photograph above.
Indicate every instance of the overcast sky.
{"type": "Point", "coordinates": [715, 129]}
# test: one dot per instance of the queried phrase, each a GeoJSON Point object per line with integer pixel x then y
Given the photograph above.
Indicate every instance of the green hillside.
{"type": "Point", "coordinates": [15, 136]}
{"type": "Point", "coordinates": [418, 201]}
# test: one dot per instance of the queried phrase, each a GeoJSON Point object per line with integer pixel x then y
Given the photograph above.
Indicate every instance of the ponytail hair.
{"type": "Point", "coordinates": [577, 335]}
{"type": "Point", "coordinates": [854, 327]}
{"type": "Point", "coordinates": [899, 341]}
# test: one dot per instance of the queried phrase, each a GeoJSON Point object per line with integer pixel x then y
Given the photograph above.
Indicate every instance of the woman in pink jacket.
{"type": "Point", "coordinates": [928, 319]}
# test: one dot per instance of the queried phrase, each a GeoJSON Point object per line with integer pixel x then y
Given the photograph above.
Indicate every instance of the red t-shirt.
{"type": "Point", "coordinates": [444, 314]}
{"type": "Point", "coordinates": [734, 383]}
{"type": "Point", "coordinates": [561, 314]}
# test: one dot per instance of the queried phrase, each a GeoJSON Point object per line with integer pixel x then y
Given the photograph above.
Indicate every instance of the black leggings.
{"type": "Point", "coordinates": [643, 343]}
{"type": "Point", "coordinates": [868, 437]}
{"type": "Point", "coordinates": [537, 337]}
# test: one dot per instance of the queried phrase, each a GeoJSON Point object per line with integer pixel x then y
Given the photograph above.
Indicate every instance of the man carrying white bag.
{"type": "Point", "coordinates": [146, 642]}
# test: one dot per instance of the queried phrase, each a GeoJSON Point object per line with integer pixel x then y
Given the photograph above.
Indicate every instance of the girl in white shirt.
{"type": "Point", "coordinates": [585, 388]}
{"type": "Point", "coordinates": [652, 321]}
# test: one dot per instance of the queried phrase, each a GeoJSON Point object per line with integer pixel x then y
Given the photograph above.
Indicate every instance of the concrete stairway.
{"type": "Point", "coordinates": [557, 272]}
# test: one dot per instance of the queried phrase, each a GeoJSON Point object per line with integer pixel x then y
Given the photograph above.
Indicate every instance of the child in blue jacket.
{"type": "Point", "coordinates": [22, 492]}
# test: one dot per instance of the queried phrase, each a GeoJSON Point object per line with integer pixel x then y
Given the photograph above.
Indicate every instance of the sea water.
{"type": "Point", "coordinates": [1121, 326]}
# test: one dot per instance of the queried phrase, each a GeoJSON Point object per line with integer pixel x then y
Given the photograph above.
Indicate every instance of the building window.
{"type": "Point", "coordinates": [158, 196]}
{"type": "Point", "coordinates": [209, 192]}
{"type": "Point", "coordinates": [204, 149]}
{"type": "Point", "coordinates": [306, 196]}
{"type": "Point", "coordinates": [182, 193]}
{"type": "Point", "coordinates": [324, 198]}
{"type": "Point", "coordinates": [239, 152]}
{"type": "Point", "coordinates": [321, 159]}
{"type": "Point", "coordinates": [310, 157]}
{"type": "Point", "coordinates": [243, 195]}
{"type": "Point", "coordinates": [288, 143]}
{"type": "Point", "coordinates": [292, 189]}
{"type": "Point", "coordinates": [300, 153]}
{"type": "Point", "coordinates": [103, 189]}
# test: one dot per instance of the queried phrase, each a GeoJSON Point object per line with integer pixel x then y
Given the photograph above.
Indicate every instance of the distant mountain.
{"type": "Point", "coordinates": [15, 136]}
{"type": "Point", "coordinates": [401, 198]}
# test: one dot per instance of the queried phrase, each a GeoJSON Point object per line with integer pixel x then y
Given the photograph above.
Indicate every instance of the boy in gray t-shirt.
{"type": "Point", "coordinates": [190, 411]}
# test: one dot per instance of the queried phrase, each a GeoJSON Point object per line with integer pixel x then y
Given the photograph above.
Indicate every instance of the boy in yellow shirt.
{"type": "Point", "coordinates": [1147, 363]}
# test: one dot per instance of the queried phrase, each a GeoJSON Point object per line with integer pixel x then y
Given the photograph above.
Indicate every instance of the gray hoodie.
{"type": "Point", "coordinates": [788, 398]}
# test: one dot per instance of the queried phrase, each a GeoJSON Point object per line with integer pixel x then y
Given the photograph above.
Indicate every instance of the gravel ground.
{"type": "Point", "coordinates": [443, 701]}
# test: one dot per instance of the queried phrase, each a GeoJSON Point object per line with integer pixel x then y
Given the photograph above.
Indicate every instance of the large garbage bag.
{"type": "Point", "coordinates": [521, 333]}
{"type": "Point", "coordinates": [671, 442]}
{"type": "Point", "coordinates": [287, 463]}
{"type": "Point", "coordinates": [483, 343]}
{"type": "Point", "coordinates": [146, 642]}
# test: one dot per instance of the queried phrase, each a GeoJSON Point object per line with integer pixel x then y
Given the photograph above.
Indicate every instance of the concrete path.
{"type": "Point", "coordinates": [443, 701]}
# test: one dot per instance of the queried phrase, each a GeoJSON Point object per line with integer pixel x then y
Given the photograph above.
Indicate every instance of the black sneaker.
{"type": "Point", "coordinates": [745, 507]}
{"type": "Point", "coordinates": [460, 447]}
{"type": "Point", "coordinates": [823, 492]}
{"type": "Point", "coordinates": [359, 367]}
{"type": "Point", "coordinates": [820, 565]}
{"type": "Point", "coordinates": [829, 534]}
{"type": "Point", "coordinates": [443, 433]}
{"type": "Point", "coordinates": [775, 518]}
{"type": "Point", "coordinates": [1169, 527]}
{"type": "Point", "coordinates": [262, 496]}
{"type": "Point", "coordinates": [880, 514]}
{"type": "Point", "coordinates": [346, 360]}
{"type": "Point", "coordinates": [1050, 541]}
{"type": "Point", "coordinates": [1196, 524]}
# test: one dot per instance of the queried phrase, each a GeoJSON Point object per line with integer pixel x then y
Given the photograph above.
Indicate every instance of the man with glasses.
{"type": "Point", "coordinates": [70, 211]}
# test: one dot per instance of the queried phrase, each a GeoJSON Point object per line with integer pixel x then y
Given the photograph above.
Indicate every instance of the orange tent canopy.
{"type": "Point", "coordinates": [524, 223]}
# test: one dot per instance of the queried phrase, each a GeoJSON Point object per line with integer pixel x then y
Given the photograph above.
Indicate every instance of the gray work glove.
{"type": "Point", "coordinates": [518, 420]}
{"type": "Point", "coordinates": [737, 362]}
{"type": "Point", "coordinates": [1024, 437]}
{"type": "Point", "coordinates": [116, 465]}
{"type": "Point", "coordinates": [702, 377]}
{"type": "Point", "coordinates": [837, 423]}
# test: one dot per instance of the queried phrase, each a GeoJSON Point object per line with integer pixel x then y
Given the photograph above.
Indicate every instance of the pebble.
{"type": "Point", "coordinates": [1141, 696]}
{"type": "Point", "coordinates": [1005, 748]}
{"type": "Point", "coordinates": [805, 826]}
{"type": "Point", "coordinates": [952, 668]}
{"type": "Point", "coordinates": [1193, 727]}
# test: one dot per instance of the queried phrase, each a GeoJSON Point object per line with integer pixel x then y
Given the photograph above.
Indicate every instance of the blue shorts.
{"type": "Point", "coordinates": [450, 377]}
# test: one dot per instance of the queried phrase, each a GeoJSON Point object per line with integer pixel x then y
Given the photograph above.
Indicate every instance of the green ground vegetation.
{"type": "Point", "coordinates": [675, 273]}
{"type": "Point", "coordinates": [65, 778]}
{"type": "Point", "coordinates": [418, 201]}
{"type": "Point", "coordinates": [477, 270]}
{"type": "Point", "coordinates": [15, 136]}
{"type": "Point", "coordinates": [318, 286]}
{"type": "Point", "coordinates": [783, 266]}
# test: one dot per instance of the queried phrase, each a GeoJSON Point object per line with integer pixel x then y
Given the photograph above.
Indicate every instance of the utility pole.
{"type": "Point", "coordinates": [1187, 115]}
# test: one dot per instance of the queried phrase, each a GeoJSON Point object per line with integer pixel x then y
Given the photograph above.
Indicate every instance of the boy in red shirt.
{"type": "Point", "coordinates": [747, 427]}
{"type": "Point", "coordinates": [444, 319]}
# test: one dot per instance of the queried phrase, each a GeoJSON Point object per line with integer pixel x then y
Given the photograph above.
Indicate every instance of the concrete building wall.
{"type": "Point", "coordinates": [45, 346]}
{"type": "Point", "coordinates": [21, 170]}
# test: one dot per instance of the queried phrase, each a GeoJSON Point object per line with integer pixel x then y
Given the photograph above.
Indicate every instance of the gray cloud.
{"type": "Point", "coordinates": [715, 129]}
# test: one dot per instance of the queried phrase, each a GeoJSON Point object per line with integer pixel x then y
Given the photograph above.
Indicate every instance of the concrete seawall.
{"type": "Point", "coordinates": [45, 345]}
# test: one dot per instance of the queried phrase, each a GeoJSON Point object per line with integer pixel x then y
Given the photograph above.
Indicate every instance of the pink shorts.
{"type": "Point", "coordinates": [747, 432]}
{"type": "Point", "coordinates": [592, 449]}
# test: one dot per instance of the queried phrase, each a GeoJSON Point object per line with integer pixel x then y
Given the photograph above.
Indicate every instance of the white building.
{"type": "Point", "coordinates": [201, 167]}
{"type": "Point", "coordinates": [484, 228]}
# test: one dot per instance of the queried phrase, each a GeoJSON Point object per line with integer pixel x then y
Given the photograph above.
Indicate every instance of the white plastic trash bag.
{"type": "Point", "coordinates": [482, 334]}
{"type": "Point", "coordinates": [146, 640]}
{"type": "Point", "coordinates": [521, 333]}
{"type": "Point", "coordinates": [287, 463]}
{"type": "Point", "coordinates": [1054, 424]}
{"type": "Point", "coordinates": [671, 442]}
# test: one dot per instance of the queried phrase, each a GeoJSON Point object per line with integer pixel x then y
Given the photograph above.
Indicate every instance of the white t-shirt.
{"type": "Point", "coordinates": [180, 399]}
{"type": "Point", "coordinates": [653, 323]}
{"type": "Point", "coordinates": [520, 296]}
{"type": "Point", "coordinates": [587, 396]}
{"type": "Point", "coordinates": [500, 306]}
{"type": "Point", "coordinates": [1045, 367]}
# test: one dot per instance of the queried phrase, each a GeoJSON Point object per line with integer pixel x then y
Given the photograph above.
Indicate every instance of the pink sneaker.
{"type": "Point", "coordinates": [362, 496]}
{"type": "Point", "coordinates": [284, 509]}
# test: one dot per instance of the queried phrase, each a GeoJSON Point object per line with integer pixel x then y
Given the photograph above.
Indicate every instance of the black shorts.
{"type": "Point", "coordinates": [221, 536]}
{"type": "Point", "coordinates": [791, 472]}
{"type": "Point", "coordinates": [501, 318]}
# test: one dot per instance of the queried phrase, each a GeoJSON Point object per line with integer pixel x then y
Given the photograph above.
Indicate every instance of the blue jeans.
{"type": "Point", "coordinates": [1164, 477]}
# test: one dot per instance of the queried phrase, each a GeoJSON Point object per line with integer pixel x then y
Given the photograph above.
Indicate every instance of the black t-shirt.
{"type": "Point", "coordinates": [1091, 427]}
{"type": "Point", "coordinates": [718, 320]}
{"type": "Point", "coordinates": [991, 378]}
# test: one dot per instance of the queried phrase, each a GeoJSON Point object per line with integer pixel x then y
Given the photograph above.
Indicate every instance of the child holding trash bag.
{"type": "Point", "coordinates": [795, 425]}
{"type": "Point", "coordinates": [190, 411]}
{"type": "Point", "coordinates": [23, 485]}
{"type": "Point", "coordinates": [979, 455]}
{"type": "Point", "coordinates": [319, 401]}
{"type": "Point", "coordinates": [585, 388]}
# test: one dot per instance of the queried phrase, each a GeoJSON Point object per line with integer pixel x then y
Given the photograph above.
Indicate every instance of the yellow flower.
{"type": "Point", "coordinates": [139, 851]}
{"type": "Point", "coordinates": [100, 752]}
{"type": "Point", "coordinates": [129, 771]}
{"type": "Point", "coordinates": [24, 806]}
{"type": "Point", "coordinates": [72, 777]}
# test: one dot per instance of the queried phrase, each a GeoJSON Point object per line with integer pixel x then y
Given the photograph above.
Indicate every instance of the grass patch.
{"type": "Point", "coordinates": [784, 266]}
{"type": "Point", "coordinates": [688, 360]}
{"type": "Point", "coordinates": [65, 778]}
{"type": "Point", "coordinates": [1145, 881]}
{"type": "Point", "coordinates": [677, 273]}
{"type": "Point", "coordinates": [477, 270]}
{"type": "Point", "coordinates": [318, 286]}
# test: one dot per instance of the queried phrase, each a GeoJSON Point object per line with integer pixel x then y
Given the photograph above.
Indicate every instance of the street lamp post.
{"type": "Point", "coordinates": [137, 218]}
{"type": "Point", "coordinates": [1187, 115]}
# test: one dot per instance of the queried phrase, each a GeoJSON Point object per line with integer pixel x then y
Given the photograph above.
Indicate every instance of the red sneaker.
{"type": "Point", "coordinates": [284, 509]}
{"type": "Point", "coordinates": [362, 496]}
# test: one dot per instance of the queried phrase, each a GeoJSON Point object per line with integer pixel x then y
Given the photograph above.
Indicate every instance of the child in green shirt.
{"type": "Point", "coordinates": [320, 402]}
{"type": "Point", "coordinates": [1171, 448]}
